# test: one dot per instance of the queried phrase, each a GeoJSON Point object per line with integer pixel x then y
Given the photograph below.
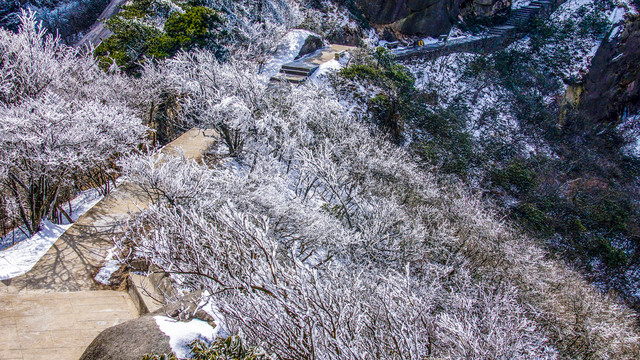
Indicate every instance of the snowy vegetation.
{"type": "Point", "coordinates": [319, 240]}
{"type": "Point", "coordinates": [325, 223]}
{"type": "Point", "coordinates": [564, 178]}
{"type": "Point", "coordinates": [60, 130]}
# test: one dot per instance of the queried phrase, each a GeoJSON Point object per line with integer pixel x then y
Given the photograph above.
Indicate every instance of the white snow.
{"type": "Point", "coordinates": [320, 75]}
{"type": "Point", "coordinates": [517, 4]}
{"type": "Point", "coordinates": [111, 264]}
{"type": "Point", "coordinates": [181, 334]}
{"type": "Point", "coordinates": [287, 51]}
{"type": "Point", "coordinates": [21, 257]}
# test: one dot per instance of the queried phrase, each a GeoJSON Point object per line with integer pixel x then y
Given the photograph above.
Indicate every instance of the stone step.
{"type": "Point", "coordinates": [289, 78]}
{"type": "Point", "coordinates": [299, 69]}
{"type": "Point", "coordinates": [294, 72]}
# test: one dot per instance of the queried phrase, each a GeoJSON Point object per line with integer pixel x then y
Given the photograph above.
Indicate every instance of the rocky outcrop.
{"type": "Point", "coordinates": [427, 17]}
{"type": "Point", "coordinates": [130, 340]}
{"type": "Point", "coordinates": [133, 339]}
{"type": "Point", "coordinates": [613, 82]}
{"type": "Point", "coordinates": [310, 45]}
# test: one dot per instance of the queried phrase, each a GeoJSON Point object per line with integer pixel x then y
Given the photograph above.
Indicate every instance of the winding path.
{"type": "Point", "coordinates": [55, 310]}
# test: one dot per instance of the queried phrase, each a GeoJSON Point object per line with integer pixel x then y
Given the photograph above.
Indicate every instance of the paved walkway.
{"type": "Point", "coordinates": [56, 309]}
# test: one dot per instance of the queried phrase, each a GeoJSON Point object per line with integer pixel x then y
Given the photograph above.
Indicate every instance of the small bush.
{"type": "Point", "coordinates": [231, 348]}
{"type": "Point", "coordinates": [515, 178]}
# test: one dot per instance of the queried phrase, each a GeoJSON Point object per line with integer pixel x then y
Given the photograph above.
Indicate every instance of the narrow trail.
{"type": "Point", "coordinates": [55, 310]}
{"type": "Point", "coordinates": [496, 37]}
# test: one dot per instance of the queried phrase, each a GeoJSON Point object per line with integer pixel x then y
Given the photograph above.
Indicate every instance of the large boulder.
{"type": "Point", "coordinates": [310, 45]}
{"type": "Point", "coordinates": [130, 340]}
{"type": "Point", "coordinates": [427, 17]}
{"type": "Point", "coordinates": [133, 339]}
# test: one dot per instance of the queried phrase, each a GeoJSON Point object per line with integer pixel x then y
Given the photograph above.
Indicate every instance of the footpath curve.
{"type": "Point", "coordinates": [55, 310]}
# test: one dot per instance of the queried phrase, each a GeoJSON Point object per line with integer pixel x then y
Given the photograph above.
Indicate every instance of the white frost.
{"type": "Point", "coordinates": [181, 334]}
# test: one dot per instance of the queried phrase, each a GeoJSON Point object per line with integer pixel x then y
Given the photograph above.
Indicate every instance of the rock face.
{"type": "Point", "coordinates": [427, 17]}
{"type": "Point", "coordinates": [613, 82]}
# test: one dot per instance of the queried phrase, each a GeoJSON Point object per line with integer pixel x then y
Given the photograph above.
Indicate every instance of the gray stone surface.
{"type": "Point", "coordinates": [130, 340]}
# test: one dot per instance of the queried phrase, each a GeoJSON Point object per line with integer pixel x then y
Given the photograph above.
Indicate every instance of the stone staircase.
{"type": "Point", "coordinates": [295, 72]}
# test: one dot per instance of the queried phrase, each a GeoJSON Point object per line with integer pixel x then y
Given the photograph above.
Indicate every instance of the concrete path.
{"type": "Point", "coordinates": [56, 309]}
{"type": "Point", "coordinates": [50, 325]}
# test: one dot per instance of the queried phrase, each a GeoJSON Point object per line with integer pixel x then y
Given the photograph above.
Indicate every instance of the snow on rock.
{"type": "Point", "coordinates": [20, 258]}
{"type": "Point", "coordinates": [517, 4]}
{"type": "Point", "coordinates": [287, 51]}
{"type": "Point", "coordinates": [110, 265]}
{"type": "Point", "coordinates": [181, 334]}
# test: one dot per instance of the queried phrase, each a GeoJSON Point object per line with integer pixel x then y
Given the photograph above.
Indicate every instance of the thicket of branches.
{"type": "Point", "coordinates": [62, 123]}
{"type": "Point", "coordinates": [317, 240]}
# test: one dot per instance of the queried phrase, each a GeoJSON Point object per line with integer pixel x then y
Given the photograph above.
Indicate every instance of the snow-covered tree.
{"type": "Point", "coordinates": [324, 242]}
{"type": "Point", "coordinates": [59, 127]}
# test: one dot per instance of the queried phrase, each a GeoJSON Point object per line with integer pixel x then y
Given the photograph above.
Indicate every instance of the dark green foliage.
{"type": "Point", "coordinates": [446, 144]}
{"type": "Point", "coordinates": [231, 348]}
{"type": "Point", "coordinates": [533, 217]}
{"type": "Point", "coordinates": [515, 178]}
{"type": "Point", "coordinates": [135, 40]}
{"type": "Point", "coordinates": [390, 108]}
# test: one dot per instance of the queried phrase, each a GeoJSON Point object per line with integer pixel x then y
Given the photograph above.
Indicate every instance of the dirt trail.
{"type": "Point", "coordinates": [56, 309]}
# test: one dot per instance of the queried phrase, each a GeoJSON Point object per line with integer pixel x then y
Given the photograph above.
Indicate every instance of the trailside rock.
{"type": "Point", "coordinates": [133, 339]}
{"type": "Point", "coordinates": [130, 340]}
{"type": "Point", "coordinates": [312, 44]}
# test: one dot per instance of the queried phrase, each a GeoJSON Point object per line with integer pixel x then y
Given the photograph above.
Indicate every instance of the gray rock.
{"type": "Point", "coordinates": [427, 17]}
{"type": "Point", "coordinates": [130, 340]}
{"type": "Point", "coordinates": [133, 339]}
{"type": "Point", "coordinates": [312, 44]}
{"type": "Point", "coordinates": [613, 82]}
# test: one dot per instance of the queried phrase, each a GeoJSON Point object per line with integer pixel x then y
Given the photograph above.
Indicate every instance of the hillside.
{"type": "Point", "coordinates": [470, 205]}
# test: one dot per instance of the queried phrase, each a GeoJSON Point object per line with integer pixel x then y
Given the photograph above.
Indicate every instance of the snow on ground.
{"type": "Point", "coordinates": [181, 334]}
{"type": "Point", "coordinates": [287, 51]}
{"type": "Point", "coordinates": [630, 131]}
{"type": "Point", "coordinates": [110, 265]}
{"type": "Point", "coordinates": [320, 75]}
{"type": "Point", "coordinates": [20, 258]}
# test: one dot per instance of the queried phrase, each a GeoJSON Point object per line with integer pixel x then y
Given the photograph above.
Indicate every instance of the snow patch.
{"type": "Point", "coordinates": [111, 264]}
{"type": "Point", "coordinates": [320, 75]}
{"type": "Point", "coordinates": [18, 259]}
{"type": "Point", "coordinates": [287, 51]}
{"type": "Point", "coordinates": [181, 334]}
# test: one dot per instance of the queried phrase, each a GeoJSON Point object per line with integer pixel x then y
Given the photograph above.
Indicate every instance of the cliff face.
{"type": "Point", "coordinates": [427, 17]}
{"type": "Point", "coordinates": [613, 82]}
